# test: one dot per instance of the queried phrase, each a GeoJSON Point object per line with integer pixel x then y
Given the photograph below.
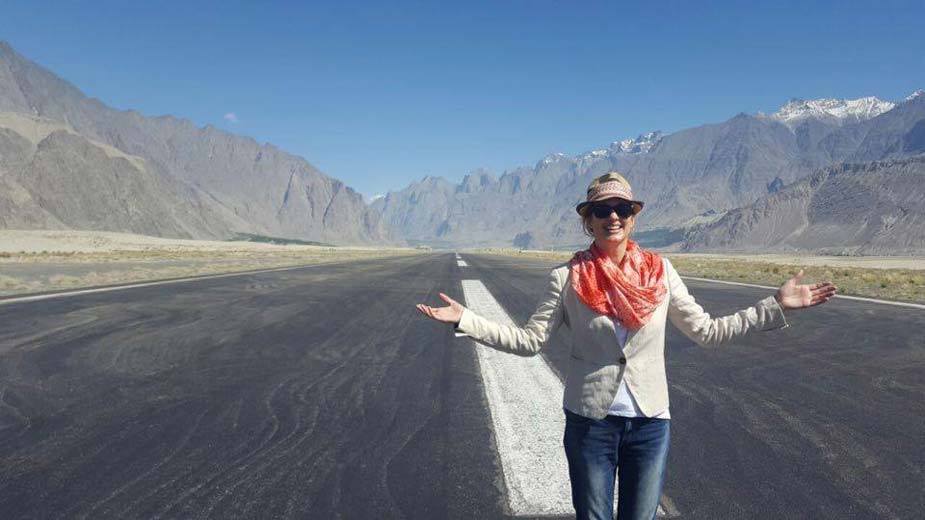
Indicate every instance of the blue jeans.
{"type": "Point", "coordinates": [597, 449]}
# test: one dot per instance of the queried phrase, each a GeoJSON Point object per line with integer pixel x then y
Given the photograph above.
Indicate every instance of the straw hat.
{"type": "Point", "coordinates": [609, 186]}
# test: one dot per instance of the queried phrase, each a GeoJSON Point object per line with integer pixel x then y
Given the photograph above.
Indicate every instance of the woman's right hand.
{"type": "Point", "coordinates": [452, 313]}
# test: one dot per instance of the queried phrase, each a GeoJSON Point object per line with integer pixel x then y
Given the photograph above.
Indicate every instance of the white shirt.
{"type": "Point", "coordinates": [624, 404]}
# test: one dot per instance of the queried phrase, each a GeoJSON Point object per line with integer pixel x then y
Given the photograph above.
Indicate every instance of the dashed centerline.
{"type": "Point", "coordinates": [525, 400]}
{"type": "Point", "coordinates": [524, 397]}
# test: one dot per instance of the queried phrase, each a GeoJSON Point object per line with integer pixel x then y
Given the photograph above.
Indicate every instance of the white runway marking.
{"type": "Point", "coordinates": [525, 398]}
{"type": "Point", "coordinates": [462, 263]}
{"type": "Point", "coordinates": [77, 292]}
{"type": "Point", "coordinates": [856, 298]}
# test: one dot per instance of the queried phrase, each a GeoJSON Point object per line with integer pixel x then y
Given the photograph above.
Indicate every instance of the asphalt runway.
{"type": "Point", "coordinates": [322, 393]}
{"type": "Point", "coordinates": [823, 419]}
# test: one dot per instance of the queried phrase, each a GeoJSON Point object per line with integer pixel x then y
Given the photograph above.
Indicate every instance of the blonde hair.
{"type": "Point", "coordinates": [607, 177]}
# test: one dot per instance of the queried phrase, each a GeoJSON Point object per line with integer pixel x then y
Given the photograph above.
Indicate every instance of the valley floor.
{"type": "Point", "coordinates": [53, 260]}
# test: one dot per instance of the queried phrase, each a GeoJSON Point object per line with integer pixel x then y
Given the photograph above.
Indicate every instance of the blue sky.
{"type": "Point", "coordinates": [379, 94]}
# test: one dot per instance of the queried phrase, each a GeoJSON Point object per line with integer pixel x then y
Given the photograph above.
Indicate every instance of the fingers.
{"type": "Point", "coordinates": [436, 313]}
{"type": "Point", "coordinates": [429, 311]}
{"type": "Point", "coordinates": [425, 310]}
{"type": "Point", "coordinates": [799, 276]}
{"type": "Point", "coordinates": [822, 295]}
{"type": "Point", "coordinates": [817, 301]}
{"type": "Point", "coordinates": [823, 288]}
{"type": "Point", "coordinates": [449, 314]}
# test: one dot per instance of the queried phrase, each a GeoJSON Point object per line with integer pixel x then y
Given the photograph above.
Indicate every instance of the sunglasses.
{"type": "Point", "coordinates": [623, 209]}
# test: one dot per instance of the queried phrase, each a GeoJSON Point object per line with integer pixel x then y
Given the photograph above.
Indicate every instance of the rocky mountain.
{"type": "Point", "coordinates": [868, 208]}
{"type": "Point", "coordinates": [686, 178]}
{"type": "Point", "coordinates": [69, 161]}
{"type": "Point", "coordinates": [641, 144]}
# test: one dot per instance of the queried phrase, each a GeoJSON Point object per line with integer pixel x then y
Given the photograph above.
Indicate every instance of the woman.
{"type": "Point", "coordinates": [615, 299]}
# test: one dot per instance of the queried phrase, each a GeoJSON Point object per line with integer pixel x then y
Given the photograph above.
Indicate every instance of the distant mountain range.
{"type": "Point", "coordinates": [802, 178]}
{"type": "Point", "coordinates": [68, 161]}
{"type": "Point", "coordinates": [688, 179]}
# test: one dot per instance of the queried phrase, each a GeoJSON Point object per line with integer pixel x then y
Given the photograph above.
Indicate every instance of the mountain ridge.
{"type": "Point", "coordinates": [165, 175]}
{"type": "Point", "coordinates": [868, 208]}
{"type": "Point", "coordinates": [685, 177]}
{"type": "Point", "coordinates": [241, 186]}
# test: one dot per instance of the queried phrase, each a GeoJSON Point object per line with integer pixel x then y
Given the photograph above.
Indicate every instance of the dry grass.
{"type": "Point", "coordinates": [118, 267]}
{"type": "Point", "coordinates": [160, 255]}
{"type": "Point", "coordinates": [891, 284]}
{"type": "Point", "coordinates": [12, 285]}
{"type": "Point", "coordinates": [559, 256]}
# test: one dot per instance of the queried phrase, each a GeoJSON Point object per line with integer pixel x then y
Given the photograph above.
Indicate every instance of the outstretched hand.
{"type": "Point", "coordinates": [449, 314]}
{"type": "Point", "coordinates": [793, 295]}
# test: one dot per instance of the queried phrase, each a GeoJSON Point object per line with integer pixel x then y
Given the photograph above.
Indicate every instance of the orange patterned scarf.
{"type": "Point", "coordinates": [628, 293]}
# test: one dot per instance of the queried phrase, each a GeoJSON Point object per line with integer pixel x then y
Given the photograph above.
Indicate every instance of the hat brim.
{"type": "Point", "coordinates": [581, 206]}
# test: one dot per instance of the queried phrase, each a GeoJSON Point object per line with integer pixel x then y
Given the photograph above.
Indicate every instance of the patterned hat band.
{"type": "Point", "coordinates": [608, 190]}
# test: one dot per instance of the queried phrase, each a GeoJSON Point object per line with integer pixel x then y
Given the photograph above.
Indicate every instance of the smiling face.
{"type": "Point", "coordinates": [611, 229]}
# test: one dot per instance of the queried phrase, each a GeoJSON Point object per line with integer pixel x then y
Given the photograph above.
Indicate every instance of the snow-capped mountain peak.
{"type": "Point", "coordinates": [832, 110]}
{"type": "Point", "coordinates": [553, 157]}
{"type": "Point", "coordinates": [641, 144]}
{"type": "Point", "coordinates": [915, 94]}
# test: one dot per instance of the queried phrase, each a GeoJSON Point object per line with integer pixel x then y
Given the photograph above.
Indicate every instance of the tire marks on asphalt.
{"type": "Point", "coordinates": [314, 393]}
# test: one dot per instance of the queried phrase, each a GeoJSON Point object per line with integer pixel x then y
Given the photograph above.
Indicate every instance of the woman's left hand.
{"type": "Point", "coordinates": [793, 295]}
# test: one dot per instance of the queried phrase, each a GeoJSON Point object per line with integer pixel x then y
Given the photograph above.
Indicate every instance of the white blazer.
{"type": "Point", "coordinates": [597, 364]}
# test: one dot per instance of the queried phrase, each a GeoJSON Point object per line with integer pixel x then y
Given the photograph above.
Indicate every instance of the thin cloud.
{"type": "Point", "coordinates": [231, 117]}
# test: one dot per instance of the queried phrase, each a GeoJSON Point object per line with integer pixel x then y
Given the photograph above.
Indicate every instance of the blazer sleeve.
{"type": "Point", "coordinates": [690, 318]}
{"type": "Point", "coordinates": [532, 337]}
